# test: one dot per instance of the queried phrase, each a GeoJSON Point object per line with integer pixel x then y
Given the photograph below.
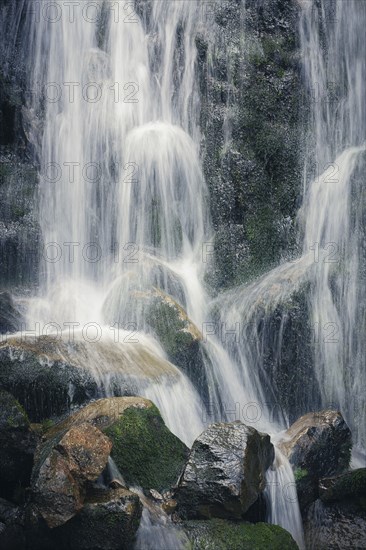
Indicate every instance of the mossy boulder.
{"type": "Point", "coordinates": [17, 447]}
{"type": "Point", "coordinates": [217, 534]}
{"type": "Point", "coordinates": [145, 451]}
{"type": "Point", "coordinates": [348, 485]}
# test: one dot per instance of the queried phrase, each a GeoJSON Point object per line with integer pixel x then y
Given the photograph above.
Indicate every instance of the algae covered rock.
{"type": "Point", "coordinates": [17, 446]}
{"type": "Point", "coordinates": [348, 485]}
{"type": "Point", "coordinates": [217, 534]}
{"type": "Point", "coordinates": [225, 473]}
{"type": "Point", "coordinates": [145, 451]}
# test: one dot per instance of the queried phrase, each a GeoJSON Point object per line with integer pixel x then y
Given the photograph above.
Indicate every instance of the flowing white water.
{"type": "Point", "coordinates": [123, 198]}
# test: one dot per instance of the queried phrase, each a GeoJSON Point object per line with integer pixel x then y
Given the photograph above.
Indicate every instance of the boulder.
{"type": "Point", "coordinates": [145, 451]}
{"type": "Point", "coordinates": [17, 446]}
{"type": "Point", "coordinates": [49, 375]}
{"type": "Point", "coordinates": [335, 525]}
{"type": "Point", "coordinates": [216, 534]}
{"type": "Point", "coordinates": [63, 467]}
{"type": "Point", "coordinates": [317, 445]}
{"type": "Point", "coordinates": [225, 472]}
{"type": "Point", "coordinates": [108, 521]}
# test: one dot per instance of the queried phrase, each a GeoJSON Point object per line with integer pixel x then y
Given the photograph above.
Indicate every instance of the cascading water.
{"type": "Point", "coordinates": [123, 206]}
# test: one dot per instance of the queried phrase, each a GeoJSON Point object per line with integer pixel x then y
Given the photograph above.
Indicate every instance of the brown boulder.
{"type": "Point", "coordinates": [62, 469]}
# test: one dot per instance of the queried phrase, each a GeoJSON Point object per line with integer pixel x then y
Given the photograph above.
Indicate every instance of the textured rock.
{"type": "Point", "coordinates": [17, 446]}
{"type": "Point", "coordinates": [108, 521]}
{"type": "Point", "coordinates": [48, 375]}
{"type": "Point", "coordinates": [12, 536]}
{"type": "Point", "coordinates": [219, 534]}
{"type": "Point", "coordinates": [225, 472]}
{"type": "Point", "coordinates": [62, 469]}
{"type": "Point", "coordinates": [319, 443]}
{"type": "Point", "coordinates": [348, 485]}
{"type": "Point", "coordinates": [337, 525]}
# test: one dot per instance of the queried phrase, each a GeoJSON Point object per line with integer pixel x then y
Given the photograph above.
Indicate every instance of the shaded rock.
{"type": "Point", "coordinates": [336, 525]}
{"type": "Point", "coordinates": [108, 521]}
{"type": "Point", "coordinates": [12, 535]}
{"type": "Point", "coordinates": [17, 446]}
{"type": "Point", "coordinates": [10, 316]}
{"type": "Point", "coordinates": [225, 472]}
{"type": "Point", "coordinates": [317, 445]}
{"type": "Point", "coordinates": [63, 466]}
{"type": "Point", "coordinates": [217, 534]}
{"type": "Point", "coordinates": [48, 375]}
{"type": "Point", "coordinates": [351, 484]}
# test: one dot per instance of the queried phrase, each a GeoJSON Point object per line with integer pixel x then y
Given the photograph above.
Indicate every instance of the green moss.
{"type": "Point", "coordinates": [300, 473]}
{"type": "Point", "coordinates": [220, 534]}
{"type": "Point", "coordinates": [351, 484]}
{"type": "Point", "coordinates": [169, 328]}
{"type": "Point", "coordinates": [145, 451]}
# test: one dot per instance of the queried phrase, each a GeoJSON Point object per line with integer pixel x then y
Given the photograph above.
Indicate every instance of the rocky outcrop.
{"type": "Point", "coordinates": [335, 525]}
{"type": "Point", "coordinates": [317, 445]}
{"type": "Point", "coordinates": [49, 374]}
{"type": "Point", "coordinates": [217, 534]}
{"type": "Point", "coordinates": [17, 446]}
{"type": "Point", "coordinates": [225, 472]}
{"type": "Point", "coordinates": [63, 467]}
{"type": "Point", "coordinates": [12, 536]}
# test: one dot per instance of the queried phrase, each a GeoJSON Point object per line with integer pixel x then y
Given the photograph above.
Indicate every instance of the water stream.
{"type": "Point", "coordinates": [124, 207]}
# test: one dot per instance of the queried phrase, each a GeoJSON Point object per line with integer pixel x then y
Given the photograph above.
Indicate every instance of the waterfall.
{"type": "Point", "coordinates": [124, 208]}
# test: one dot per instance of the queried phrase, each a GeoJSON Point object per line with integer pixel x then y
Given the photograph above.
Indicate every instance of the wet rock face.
{"type": "Point", "coordinates": [218, 534]}
{"type": "Point", "coordinates": [225, 472]}
{"type": "Point", "coordinates": [335, 525]}
{"type": "Point", "coordinates": [17, 446]}
{"type": "Point", "coordinates": [10, 316]}
{"type": "Point", "coordinates": [108, 521]}
{"type": "Point", "coordinates": [319, 443]}
{"type": "Point", "coordinates": [59, 478]}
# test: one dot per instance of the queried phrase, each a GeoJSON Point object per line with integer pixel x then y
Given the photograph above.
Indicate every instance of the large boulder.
{"type": "Point", "coordinates": [64, 465]}
{"type": "Point", "coordinates": [145, 451]}
{"type": "Point", "coordinates": [348, 485]}
{"type": "Point", "coordinates": [49, 374]}
{"type": "Point", "coordinates": [216, 534]}
{"type": "Point", "coordinates": [225, 473]}
{"type": "Point", "coordinates": [335, 525]}
{"type": "Point", "coordinates": [17, 446]}
{"type": "Point", "coordinates": [317, 445]}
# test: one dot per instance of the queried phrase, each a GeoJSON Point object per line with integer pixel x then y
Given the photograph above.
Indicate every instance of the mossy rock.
{"type": "Point", "coordinates": [145, 451]}
{"type": "Point", "coordinates": [219, 534]}
{"type": "Point", "coordinates": [348, 485]}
